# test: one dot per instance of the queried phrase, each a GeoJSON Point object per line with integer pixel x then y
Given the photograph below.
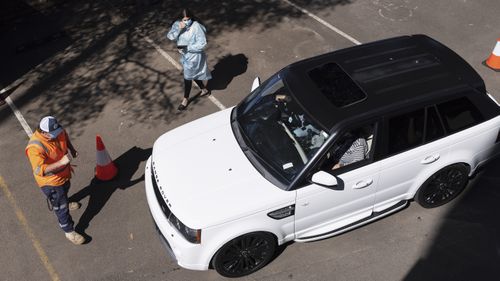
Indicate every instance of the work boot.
{"type": "Point", "coordinates": [75, 238]}
{"type": "Point", "coordinates": [74, 206]}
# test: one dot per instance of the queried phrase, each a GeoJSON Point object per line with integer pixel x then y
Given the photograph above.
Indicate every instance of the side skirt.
{"type": "Point", "coordinates": [373, 217]}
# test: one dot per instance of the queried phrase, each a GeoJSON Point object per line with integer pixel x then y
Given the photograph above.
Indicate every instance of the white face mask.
{"type": "Point", "coordinates": [188, 22]}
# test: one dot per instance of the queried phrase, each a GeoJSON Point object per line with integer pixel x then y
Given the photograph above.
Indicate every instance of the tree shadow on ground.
{"type": "Point", "coordinates": [28, 37]}
{"type": "Point", "coordinates": [100, 192]}
{"type": "Point", "coordinates": [108, 60]}
{"type": "Point", "coordinates": [467, 246]}
{"type": "Point", "coordinates": [226, 69]}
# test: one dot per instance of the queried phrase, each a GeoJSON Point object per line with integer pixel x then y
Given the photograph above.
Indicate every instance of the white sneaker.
{"type": "Point", "coordinates": [74, 206]}
{"type": "Point", "coordinates": [75, 238]}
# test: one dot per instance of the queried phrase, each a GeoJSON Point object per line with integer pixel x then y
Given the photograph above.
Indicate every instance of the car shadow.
{"type": "Point", "coordinates": [99, 192]}
{"type": "Point", "coordinates": [467, 244]}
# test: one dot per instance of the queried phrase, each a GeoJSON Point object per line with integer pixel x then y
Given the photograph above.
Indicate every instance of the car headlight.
{"type": "Point", "coordinates": [191, 235]}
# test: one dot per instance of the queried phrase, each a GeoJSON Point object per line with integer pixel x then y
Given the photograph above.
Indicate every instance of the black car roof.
{"type": "Point", "coordinates": [392, 73]}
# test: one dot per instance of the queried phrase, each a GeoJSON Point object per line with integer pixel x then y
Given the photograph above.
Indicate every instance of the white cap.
{"type": "Point", "coordinates": [49, 125]}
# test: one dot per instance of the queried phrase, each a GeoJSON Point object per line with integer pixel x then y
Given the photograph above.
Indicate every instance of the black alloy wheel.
{"type": "Point", "coordinates": [443, 186]}
{"type": "Point", "coordinates": [245, 254]}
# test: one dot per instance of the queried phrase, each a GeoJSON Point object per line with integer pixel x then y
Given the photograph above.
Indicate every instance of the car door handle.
{"type": "Point", "coordinates": [362, 184]}
{"type": "Point", "coordinates": [430, 159]}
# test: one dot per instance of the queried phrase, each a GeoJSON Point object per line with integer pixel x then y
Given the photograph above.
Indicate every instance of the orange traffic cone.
{"type": "Point", "coordinates": [105, 169]}
{"type": "Point", "coordinates": [493, 61]}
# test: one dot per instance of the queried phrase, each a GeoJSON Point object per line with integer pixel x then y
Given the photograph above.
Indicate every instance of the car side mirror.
{"type": "Point", "coordinates": [324, 179]}
{"type": "Point", "coordinates": [255, 84]}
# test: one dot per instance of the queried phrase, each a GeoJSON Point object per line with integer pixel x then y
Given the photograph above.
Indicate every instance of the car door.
{"type": "Point", "coordinates": [322, 211]}
{"type": "Point", "coordinates": [414, 147]}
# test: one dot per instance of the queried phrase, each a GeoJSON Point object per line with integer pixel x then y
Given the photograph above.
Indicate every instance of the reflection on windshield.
{"type": "Point", "coordinates": [278, 130]}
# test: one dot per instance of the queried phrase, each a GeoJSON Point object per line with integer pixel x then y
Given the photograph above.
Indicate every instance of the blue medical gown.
{"type": "Point", "coordinates": [194, 61]}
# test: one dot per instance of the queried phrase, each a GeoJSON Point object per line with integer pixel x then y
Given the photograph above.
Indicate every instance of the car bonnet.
{"type": "Point", "coordinates": [206, 177]}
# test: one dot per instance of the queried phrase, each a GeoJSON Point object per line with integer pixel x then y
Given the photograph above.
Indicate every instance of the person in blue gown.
{"type": "Point", "coordinates": [189, 35]}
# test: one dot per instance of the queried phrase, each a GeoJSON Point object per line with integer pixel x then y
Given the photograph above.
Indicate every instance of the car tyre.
{"type": "Point", "coordinates": [245, 254]}
{"type": "Point", "coordinates": [443, 186]}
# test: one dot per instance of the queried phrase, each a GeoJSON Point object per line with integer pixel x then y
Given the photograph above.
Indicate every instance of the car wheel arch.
{"type": "Point", "coordinates": [424, 177]}
{"type": "Point", "coordinates": [418, 184]}
{"type": "Point", "coordinates": [258, 222]}
{"type": "Point", "coordinates": [220, 245]}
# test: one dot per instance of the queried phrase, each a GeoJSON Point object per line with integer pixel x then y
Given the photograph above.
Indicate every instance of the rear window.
{"type": "Point", "coordinates": [336, 85]}
{"type": "Point", "coordinates": [459, 114]}
{"type": "Point", "coordinates": [434, 130]}
{"type": "Point", "coordinates": [406, 131]}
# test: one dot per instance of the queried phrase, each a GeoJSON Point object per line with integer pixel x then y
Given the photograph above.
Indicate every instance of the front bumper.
{"type": "Point", "coordinates": [187, 255]}
{"type": "Point", "coordinates": [165, 242]}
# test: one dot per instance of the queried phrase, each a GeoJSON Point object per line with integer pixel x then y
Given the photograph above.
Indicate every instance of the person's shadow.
{"type": "Point", "coordinates": [99, 192]}
{"type": "Point", "coordinates": [226, 69]}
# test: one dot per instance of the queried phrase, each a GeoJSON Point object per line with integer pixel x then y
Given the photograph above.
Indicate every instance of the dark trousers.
{"type": "Point", "coordinates": [58, 198]}
{"type": "Point", "coordinates": [188, 84]}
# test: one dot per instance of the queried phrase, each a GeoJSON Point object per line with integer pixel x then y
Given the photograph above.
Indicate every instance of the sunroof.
{"type": "Point", "coordinates": [336, 85]}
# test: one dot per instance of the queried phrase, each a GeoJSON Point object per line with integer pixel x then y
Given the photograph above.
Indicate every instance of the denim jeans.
{"type": "Point", "coordinates": [58, 197]}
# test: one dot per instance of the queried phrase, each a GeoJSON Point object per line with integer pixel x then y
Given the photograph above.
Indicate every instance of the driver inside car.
{"type": "Point", "coordinates": [357, 151]}
{"type": "Point", "coordinates": [352, 147]}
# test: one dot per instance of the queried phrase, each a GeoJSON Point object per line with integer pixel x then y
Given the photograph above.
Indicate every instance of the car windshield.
{"type": "Point", "coordinates": [278, 130]}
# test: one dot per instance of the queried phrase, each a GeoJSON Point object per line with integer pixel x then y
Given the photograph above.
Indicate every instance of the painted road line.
{"type": "Point", "coordinates": [176, 65]}
{"type": "Point", "coordinates": [19, 117]}
{"type": "Point", "coordinates": [27, 229]}
{"type": "Point", "coordinates": [323, 22]}
{"type": "Point", "coordinates": [160, 50]}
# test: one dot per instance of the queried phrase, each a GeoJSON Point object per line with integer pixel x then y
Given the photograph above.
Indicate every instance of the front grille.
{"type": "Point", "coordinates": [154, 179]}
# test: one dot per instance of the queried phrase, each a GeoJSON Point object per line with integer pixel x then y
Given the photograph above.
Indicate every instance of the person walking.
{"type": "Point", "coordinates": [47, 152]}
{"type": "Point", "coordinates": [189, 34]}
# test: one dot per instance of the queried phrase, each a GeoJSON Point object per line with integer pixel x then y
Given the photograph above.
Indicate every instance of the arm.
{"type": "Point", "coordinates": [72, 149]}
{"type": "Point", "coordinates": [37, 161]}
{"type": "Point", "coordinates": [200, 41]}
{"type": "Point", "coordinates": [354, 154]}
{"type": "Point", "coordinates": [174, 31]}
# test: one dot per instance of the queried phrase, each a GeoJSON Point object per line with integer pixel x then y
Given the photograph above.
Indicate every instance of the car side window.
{"type": "Point", "coordinates": [353, 146]}
{"type": "Point", "coordinates": [406, 131]}
{"type": "Point", "coordinates": [459, 114]}
{"type": "Point", "coordinates": [433, 128]}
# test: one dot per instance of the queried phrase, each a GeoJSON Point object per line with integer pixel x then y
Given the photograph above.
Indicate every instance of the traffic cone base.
{"type": "Point", "coordinates": [105, 168]}
{"type": "Point", "coordinates": [493, 60]}
{"type": "Point", "coordinates": [106, 173]}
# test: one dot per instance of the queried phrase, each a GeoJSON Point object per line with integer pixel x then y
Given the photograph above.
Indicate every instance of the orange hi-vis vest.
{"type": "Point", "coordinates": [42, 152]}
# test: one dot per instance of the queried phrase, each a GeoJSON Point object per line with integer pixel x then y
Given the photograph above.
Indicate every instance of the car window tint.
{"type": "Point", "coordinates": [459, 114]}
{"type": "Point", "coordinates": [336, 85]}
{"type": "Point", "coordinates": [406, 131]}
{"type": "Point", "coordinates": [434, 129]}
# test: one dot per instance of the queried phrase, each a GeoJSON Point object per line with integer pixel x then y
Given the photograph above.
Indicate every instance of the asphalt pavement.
{"type": "Point", "coordinates": [102, 67]}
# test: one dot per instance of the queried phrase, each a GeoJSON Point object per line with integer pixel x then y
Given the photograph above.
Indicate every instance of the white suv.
{"type": "Point", "coordinates": [323, 146]}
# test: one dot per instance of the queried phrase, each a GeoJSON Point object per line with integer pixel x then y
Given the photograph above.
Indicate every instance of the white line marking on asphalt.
{"type": "Point", "coordinates": [160, 50]}
{"type": "Point", "coordinates": [19, 116]}
{"type": "Point", "coordinates": [323, 22]}
{"type": "Point", "coordinates": [176, 65]}
{"type": "Point", "coordinates": [24, 222]}
{"type": "Point", "coordinates": [164, 54]}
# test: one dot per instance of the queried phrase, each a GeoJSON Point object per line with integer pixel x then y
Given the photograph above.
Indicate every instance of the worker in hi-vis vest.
{"type": "Point", "coordinates": [48, 154]}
